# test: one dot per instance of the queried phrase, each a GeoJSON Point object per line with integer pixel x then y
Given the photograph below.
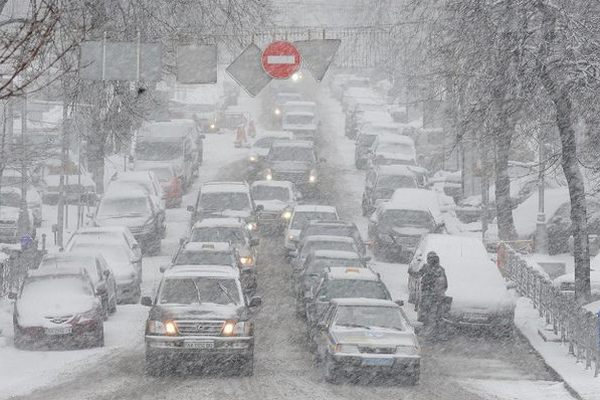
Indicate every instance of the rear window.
{"type": "Point", "coordinates": [348, 288]}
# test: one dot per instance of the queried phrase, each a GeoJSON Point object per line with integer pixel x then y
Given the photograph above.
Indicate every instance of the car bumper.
{"type": "Point", "coordinates": [375, 363]}
{"type": "Point", "coordinates": [483, 322]}
{"type": "Point", "coordinates": [80, 334]}
{"type": "Point", "coordinates": [199, 347]}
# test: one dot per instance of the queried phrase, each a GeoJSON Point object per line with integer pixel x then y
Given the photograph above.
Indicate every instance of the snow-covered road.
{"type": "Point", "coordinates": [463, 367]}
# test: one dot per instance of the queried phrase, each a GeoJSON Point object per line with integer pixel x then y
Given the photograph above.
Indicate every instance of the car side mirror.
{"type": "Point", "coordinates": [190, 208]}
{"type": "Point", "coordinates": [254, 242]}
{"type": "Point", "coordinates": [163, 268]}
{"type": "Point", "coordinates": [260, 207]}
{"type": "Point", "coordinates": [12, 296]}
{"type": "Point", "coordinates": [400, 302]}
{"type": "Point", "coordinates": [147, 301]}
{"type": "Point", "coordinates": [255, 302]}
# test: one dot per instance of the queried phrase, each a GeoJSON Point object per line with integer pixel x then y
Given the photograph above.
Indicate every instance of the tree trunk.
{"type": "Point", "coordinates": [95, 156]}
{"type": "Point", "coordinates": [506, 225]}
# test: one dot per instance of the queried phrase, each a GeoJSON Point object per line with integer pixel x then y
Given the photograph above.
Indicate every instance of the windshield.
{"type": "Point", "coordinates": [225, 201]}
{"type": "Point", "coordinates": [407, 218]}
{"type": "Point", "coordinates": [203, 258]}
{"type": "Point", "coordinates": [328, 230]}
{"type": "Point", "coordinates": [199, 291]}
{"type": "Point", "coordinates": [56, 289]}
{"type": "Point", "coordinates": [396, 182]}
{"type": "Point", "coordinates": [396, 148]}
{"type": "Point", "coordinates": [301, 218]}
{"type": "Point", "coordinates": [10, 199]}
{"type": "Point", "coordinates": [266, 142]}
{"type": "Point", "coordinates": [299, 119]}
{"type": "Point", "coordinates": [218, 234]}
{"type": "Point", "coordinates": [261, 192]}
{"type": "Point", "coordinates": [292, 153]}
{"type": "Point", "coordinates": [349, 288]}
{"type": "Point", "coordinates": [158, 151]}
{"type": "Point", "coordinates": [121, 207]}
{"type": "Point", "coordinates": [369, 316]}
{"type": "Point", "coordinates": [327, 245]}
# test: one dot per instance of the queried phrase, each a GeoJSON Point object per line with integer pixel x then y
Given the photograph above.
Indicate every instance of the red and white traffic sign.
{"type": "Point", "coordinates": [281, 59]}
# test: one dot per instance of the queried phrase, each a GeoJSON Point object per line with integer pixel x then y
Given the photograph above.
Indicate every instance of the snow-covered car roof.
{"type": "Point", "coordinates": [175, 128]}
{"type": "Point", "coordinates": [54, 180]}
{"type": "Point", "coordinates": [223, 187]}
{"type": "Point", "coordinates": [275, 135]}
{"type": "Point", "coordinates": [70, 271]}
{"type": "Point", "coordinates": [351, 273]}
{"type": "Point", "coordinates": [375, 116]}
{"type": "Point", "coordinates": [284, 184]}
{"type": "Point", "coordinates": [360, 92]}
{"type": "Point", "coordinates": [394, 155]}
{"type": "Point", "coordinates": [364, 302]}
{"type": "Point", "coordinates": [293, 143]}
{"type": "Point", "coordinates": [217, 222]}
{"type": "Point", "coordinates": [327, 238]}
{"type": "Point", "coordinates": [217, 247]}
{"type": "Point", "coordinates": [193, 271]}
{"type": "Point", "coordinates": [134, 193]}
{"type": "Point", "coordinates": [389, 170]}
{"type": "Point", "coordinates": [142, 175]}
{"type": "Point", "coordinates": [315, 208]}
{"type": "Point", "coordinates": [283, 95]}
{"type": "Point", "coordinates": [300, 113]}
{"type": "Point", "coordinates": [300, 103]}
{"type": "Point", "coordinates": [525, 215]}
{"type": "Point", "coordinates": [103, 229]}
{"type": "Point", "coordinates": [390, 138]}
{"type": "Point", "coordinates": [336, 254]}
{"type": "Point", "coordinates": [414, 199]}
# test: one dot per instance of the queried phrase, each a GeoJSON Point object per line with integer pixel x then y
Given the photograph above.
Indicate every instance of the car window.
{"type": "Point", "coordinates": [203, 258]}
{"type": "Point", "coordinates": [201, 290]}
{"type": "Point", "coordinates": [350, 288]}
{"type": "Point", "coordinates": [301, 218]}
{"type": "Point", "coordinates": [369, 316]}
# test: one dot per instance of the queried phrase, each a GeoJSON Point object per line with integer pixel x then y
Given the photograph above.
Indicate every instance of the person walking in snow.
{"type": "Point", "coordinates": [433, 292]}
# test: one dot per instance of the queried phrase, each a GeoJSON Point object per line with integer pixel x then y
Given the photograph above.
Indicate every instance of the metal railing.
{"type": "Point", "coordinates": [14, 268]}
{"type": "Point", "coordinates": [573, 324]}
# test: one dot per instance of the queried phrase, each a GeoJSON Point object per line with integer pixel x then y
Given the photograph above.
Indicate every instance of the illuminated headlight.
{"type": "Point", "coordinates": [252, 158]}
{"type": "Point", "coordinates": [247, 261]}
{"type": "Point", "coordinates": [292, 238]}
{"type": "Point", "coordinates": [313, 176]}
{"type": "Point", "coordinates": [297, 76]}
{"type": "Point", "coordinates": [346, 348]}
{"type": "Point", "coordinates": [212, 126]}
{"type": "Point", "coordinates": [277, 111]}
{"type": "Point", "coordinates": [235, 328]}
{"type": "Point", "coordinates": [407, 350]}
{"type": "Point", "coordinates": [168, 328]}
{"type": "Point", "coordinates": [251, 226]}
{"type": "Point", "coordinates": [287, 214]}
{"type": "Point", "coordinates": [268, 175]}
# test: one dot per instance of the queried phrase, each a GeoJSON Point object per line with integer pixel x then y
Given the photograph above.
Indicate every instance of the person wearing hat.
{"type": "Point", "coordinates": [433, 292]}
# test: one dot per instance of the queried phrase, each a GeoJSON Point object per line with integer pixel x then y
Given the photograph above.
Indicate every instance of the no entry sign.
{"type": "Point", "coordinates": [281, 59]}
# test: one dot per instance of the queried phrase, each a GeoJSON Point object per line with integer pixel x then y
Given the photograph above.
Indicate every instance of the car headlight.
{"type": "Point", "coordinates": [212, 126]}
{"type": "Point", "coordinates": [268, 175]}
{"type": "Point", "coordinates": [313, 176]}
{"type": "Point", "coordinates": [252, 226]}
{"type": "Point", "coordinates": [408, 350]}
{"type": "Point", "coordinates": [252, 158]}
{"type": "Point", "coordinates": [346, 348]}
{"type": "Point", "coordinates": [277, 111]}
{"type": "Point", "coordinates": [168, 328]}
{"type": "Point", "coordinates": [287, 214]}
{"type": "Point", "coordinates": [247, 261]}
{"type": "Point", "coordinates": [292, 238]}
{"type": "Point", "coordinates": [236, 328]}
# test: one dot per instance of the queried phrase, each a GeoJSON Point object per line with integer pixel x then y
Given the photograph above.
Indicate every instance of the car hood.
{"type": "Point", "coordinates": [260, 151]}
{"type": "Point", "coordinates": [273, 205]}
{"type": "Point", "coordinates": [122, 221]}
{"type": "Point", "coordinates": [408, 231]}
{"type": "Point", "coordinates": [228, 213]}
{"type": "Point", "coordinates": [373, 337]}
{"type": "Point", "coordinates": [205, 311]}
{"type": "Point", "coordinates": [33, 312]}
{"type": "Point", "coordinates": [291, 166]}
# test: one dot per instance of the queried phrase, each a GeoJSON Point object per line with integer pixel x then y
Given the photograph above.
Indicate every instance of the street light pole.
{"type": "Point", "coordinates": [541, 233]}
{"type": "Point", "coordinates": [24, 226]}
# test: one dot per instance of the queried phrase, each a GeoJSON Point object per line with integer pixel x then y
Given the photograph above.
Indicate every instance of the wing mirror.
{"type": "Point", "coordinates": [255, 302]}
{"type": "Point", "coordinates": [399, 302]}
{"type": "Point", "coordinates": [254, 242]}
{"type": "Point", "coordinates": [163, 268]}
{"type": "Point", "coordinates": [260, 207]}
{"type": "Point", "coordinates": [190, 208]}
{"type": "Point", "coordinates": [147, 301]}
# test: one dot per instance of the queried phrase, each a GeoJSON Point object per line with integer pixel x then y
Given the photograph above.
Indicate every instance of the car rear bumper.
{"type": "Point", "coordinates": [80, 334]}
{"type": "Point", "coordinates": [391, 365]}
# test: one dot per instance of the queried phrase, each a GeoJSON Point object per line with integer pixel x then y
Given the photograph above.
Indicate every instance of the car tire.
{"type": "Point", "coordinates": [414, 376]}
{"type": "Point", "coordinates": [112, 308]}
{"type": "Point", "coordinates": [331, 372]}
{"type": "Point", "coordinates": [247, 366]}
{"type": "Point", "coordinates": [99, 337]}
{"type": "Point", "coordinates": [19, 341]}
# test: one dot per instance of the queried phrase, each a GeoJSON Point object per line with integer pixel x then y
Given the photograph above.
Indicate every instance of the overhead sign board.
{"type": "Point", "coordinates": [317, 55]}
{"type": "Point", "coordinates": [197, 63]}
{"type": "Point", "coordinates": [247, 70]}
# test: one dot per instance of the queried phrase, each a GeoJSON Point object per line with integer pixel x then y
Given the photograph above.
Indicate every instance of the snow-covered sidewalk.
{"type": "Point", "coordinates": [556, 355]}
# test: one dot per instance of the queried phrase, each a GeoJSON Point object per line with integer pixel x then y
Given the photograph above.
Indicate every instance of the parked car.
{"type": "Point", "coordinates": [225, 199]}
{"type": "Point", "coordinates": [122, 182]}
{"type": "Point", "coordinates": [99, 273]}
{"type": "Point", "coordinates": [294, 161]}
{"type": "Point", "coordinates": [392, 149]}
{"type": "Point", "coordinates": [136, 211]}
{"type": "Point", "coordinates": [261, 146]}
{"type": "Point", "coordinates": [480, 298]}
{"type": "Point", "coordinates": [382, 181]}
{"type": "Point", "coordinates": [234, 232]}
{"type": "Point", "coordinates": [365, 111]}
{"type": "Point", "coordinates": [200, 315]}
{"type": "Point", "coordinates": [110, 235]}
{"type": "Point", "coordinates": [320, 242]}
{"type": "Point", "coordinates": [205, 253]}
{"type": "Point", "coordinates": [396, 227]}
{"type": "Point", "coordinates": [54, 306]}
{"type": "Point", "coordinates": [277, 199]}
{"type": "Point", "coordinates": [9, 224]}
{"type": "Point", "coordinates": [338, 282]}
{"type": "Point", "coordinates": [301, 215]}
{"type": "Point", "coordinates": [362, 148]}
{"type": "Point", "coordinates": [366, 336]}
{"type": "Point", "coordinates": [279, 102]}
{"type": "Point", "coordinates": [303, 124]}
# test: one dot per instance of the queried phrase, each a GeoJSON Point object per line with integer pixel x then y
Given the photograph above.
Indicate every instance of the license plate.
{"type": "Point", "coordinates": [477, 317]}
{"type": "Point", "coordinates": [378, 362]}
{"type": "Point", "coordinates": [199, 345]}
{"type": "Point", "coordinates": [59, 331]}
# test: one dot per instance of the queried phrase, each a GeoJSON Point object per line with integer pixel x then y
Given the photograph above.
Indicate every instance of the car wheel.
{"type": "Point", "coordinates": [247, 366]}
{"type": "Point", "coordinates": [414, 376]}
{"type": "Point", "coordinates": [113, 305]}
{"type": "Point", "coordinates": [99, 337]}
{"type": "Point", "coordinates": [19, 340]}
{"type": "Point", "coordinates": [154, 248]}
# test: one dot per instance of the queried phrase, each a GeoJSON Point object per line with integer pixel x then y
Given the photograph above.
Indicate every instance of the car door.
{"type": "Point", "coordinates": [322, 331]}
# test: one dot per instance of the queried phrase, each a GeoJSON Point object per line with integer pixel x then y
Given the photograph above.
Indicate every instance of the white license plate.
{"type": "Point", "coordinates": [378, 362]}
{"type": "Point", "coordinates": [199, 345]}
{"type": "Point", "coordinates": [477, 317]}
{"type": "Point", "coordinates": [63, 330]}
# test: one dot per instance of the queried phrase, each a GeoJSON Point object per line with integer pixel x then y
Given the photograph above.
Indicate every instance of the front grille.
{"type": "Point", "coordinates": [294, 177]}
{"type": "Point", "coordinates": [60, 320]}
{"type": "Point", "coordinates": [199, 328]}
{"type": "Point", "coordinates": [377, 350]}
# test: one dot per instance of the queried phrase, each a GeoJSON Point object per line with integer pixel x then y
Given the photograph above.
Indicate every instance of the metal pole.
{"type": "Point", "coordinates": [104, 56]}
{"type": "Point", "coordinates": [24, 223]}
{"type": "Point", "coordinates": [64, 159]}
{"type": "Point", "coordinates": [541, 234]}
{"type": "Point", "coordinates": [138, 56]}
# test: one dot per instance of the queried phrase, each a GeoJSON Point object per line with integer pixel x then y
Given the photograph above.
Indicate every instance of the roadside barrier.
{"type": "Point", "coordinates": [573, 324]}
{"type": "Point", "coordinates": [13, 269]}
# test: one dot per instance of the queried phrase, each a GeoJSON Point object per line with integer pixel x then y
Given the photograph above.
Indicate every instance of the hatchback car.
{"type": "Point", "coordinates": [57, 306]}
{"type": "Point", "coordinates": [200, 315]}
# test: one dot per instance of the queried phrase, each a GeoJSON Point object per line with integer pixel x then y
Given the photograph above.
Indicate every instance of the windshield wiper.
{"type": "Point", "coordinates": [224, 290]}
{"type": "Point", "coordinates": [355, 326]}
{"type": "Point", "coordinates": [197, 291]}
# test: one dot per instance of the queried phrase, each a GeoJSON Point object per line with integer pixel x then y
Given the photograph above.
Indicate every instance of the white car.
{"type": "Point", "coordinates": [480, 297]}
{"type": "Point", "coordinates": [303, 124]}
{"type": "Point", "coordinates": [301, 215]}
